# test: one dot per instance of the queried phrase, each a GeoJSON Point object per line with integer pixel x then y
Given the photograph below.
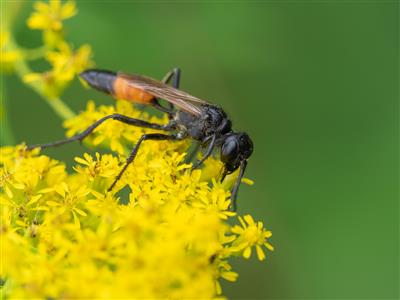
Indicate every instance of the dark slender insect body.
{"type": "Point", "coordinates": [190, 117]}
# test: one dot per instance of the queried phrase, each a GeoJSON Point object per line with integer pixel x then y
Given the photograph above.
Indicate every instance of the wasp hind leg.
{"type": "Point", "coordinates": [145, 137]}
{"type": "Point", "coordinates": [89, 130]}
{"type": "Point", "coordinates": [175, 76]}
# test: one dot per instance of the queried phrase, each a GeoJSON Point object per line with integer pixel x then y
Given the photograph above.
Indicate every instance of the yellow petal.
{"type": "Point", "coordinates": [242, 222]}
{"type": "Point", "coordinates": [260, 253]}
{"type": "Point", "coordinates": [8, 191]}
{"type": "Point", "coordinates": [79, 211]}
{"type": "Point", "coordinates": [4, 201]}
{"type": "Point", "coordinates": [55, 5]}
{"type": "Point", "coordinates": [247, 181]}
{"type": "Point", "coordinates": [42, 7]}
{"type": "Point", "coordinates": [269, 246]}
{"type": "Point", "coordinates": [68, 10]}
{"type": "Point", "coordinates": [46, 190]}
{"type": "Point", "coordinates": [52, 203]}
{"type": "Point", "coordinates": [41, 208]}
{"type": "Point", "coordinates": [59, 188]}
{"type": "Point", "coordinates": [76, 220]}
{"type": "Point", "coordinates": [230, 276]}
{"type": "Point", "coordinates": [237, 229]}
{"type": "Point", "coordinates": [247, 252]}
{"type": "Point", "coordinates": [18, 186]}
{"type": "Point", "coordinates": [38, 21]}
{"type": "Point", "coordinates": [81, 161]}
{"type": "Point", "coordinates": [218, 288]}
{"type": "Point", "coordinates": [98, 140]}
{"type": "Point", "coordinates": [97, 194]}
{"type": "Point", "coordinates": [249, 220]}
{"type": "Point", "coordinates": [34, 199]}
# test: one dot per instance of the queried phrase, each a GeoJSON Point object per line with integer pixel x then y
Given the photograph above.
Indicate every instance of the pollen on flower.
{"type": "Point", "coordinates": [63, 235]}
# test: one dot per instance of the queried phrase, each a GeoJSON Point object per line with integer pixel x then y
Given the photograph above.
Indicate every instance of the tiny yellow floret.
{"type": "Point", "coordinates": [50, 16]}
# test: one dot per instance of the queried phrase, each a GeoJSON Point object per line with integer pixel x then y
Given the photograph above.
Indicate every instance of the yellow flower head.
{"type": "Point", "coordinates": [251, 234]}
{"type": "Point", "coordinates": [105, 166]}
{"type": "Point", "coordinates": [50, 16]}
{"type": "Point", "coordinates": [66, 64]}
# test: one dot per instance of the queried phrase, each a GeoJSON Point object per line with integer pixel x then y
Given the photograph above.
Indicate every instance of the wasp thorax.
{"type": "Point", "coordinates": [216, 120]}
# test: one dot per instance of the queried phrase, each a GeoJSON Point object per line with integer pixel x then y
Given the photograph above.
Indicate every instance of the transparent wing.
{"type": "Point", "coordinates": [180, 99]}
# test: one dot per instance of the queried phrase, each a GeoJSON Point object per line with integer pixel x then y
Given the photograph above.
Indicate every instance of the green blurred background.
{"type": "Point", "coordinates": [316, 86]}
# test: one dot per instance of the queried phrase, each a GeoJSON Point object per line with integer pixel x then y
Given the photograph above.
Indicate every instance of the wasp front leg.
{"type": "Point", "coordinates": [235, 188]}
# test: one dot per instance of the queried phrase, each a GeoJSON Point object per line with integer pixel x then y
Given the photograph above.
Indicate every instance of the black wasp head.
{"type": "Point", "coordinates": [236, 147]}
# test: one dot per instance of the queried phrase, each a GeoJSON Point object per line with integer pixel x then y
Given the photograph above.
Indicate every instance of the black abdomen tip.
{"type": "Point", "coordinates": [100, 79]}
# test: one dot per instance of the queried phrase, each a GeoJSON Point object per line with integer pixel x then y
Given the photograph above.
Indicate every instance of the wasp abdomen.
{"type": "Point", "coordinates": [115, 85]}
{"type": "Point", "coordinates": [124, 89]}
{"type": "Point", "coordinates": [100, 80]}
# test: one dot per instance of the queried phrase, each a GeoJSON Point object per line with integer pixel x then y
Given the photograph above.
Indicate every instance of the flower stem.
{"type": "Point", "coordinates": [6, 135]}
{"type": "Point", "coordinates": [33, 54]}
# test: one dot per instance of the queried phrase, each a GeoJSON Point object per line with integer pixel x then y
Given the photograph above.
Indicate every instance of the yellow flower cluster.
{"type": "Point", "coordinates": [7, 56]}
{"type": "Point", "coordinates": [163, 232]}
{"type": "Point", "coordinates": [65, 62]}
{"type": "Point", "coordinates": [49, 17]}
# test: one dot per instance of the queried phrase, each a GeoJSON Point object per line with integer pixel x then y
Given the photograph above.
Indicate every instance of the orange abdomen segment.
{"type": "Point", "coordinates": [123, 90]}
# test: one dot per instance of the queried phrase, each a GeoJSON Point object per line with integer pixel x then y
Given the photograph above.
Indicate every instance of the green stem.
{"type": "Point", "coordinates": [22, 69]}
{"type": "Point", "coordinates": [61, 108]}
{"type": "Point", "coordinates": [6, 135]}
{"type": "Point", "coordinates": [33, 54]}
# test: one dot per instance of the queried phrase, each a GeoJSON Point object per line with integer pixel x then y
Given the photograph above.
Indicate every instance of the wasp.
{"type": "Point", "coordinates": [189, 117]}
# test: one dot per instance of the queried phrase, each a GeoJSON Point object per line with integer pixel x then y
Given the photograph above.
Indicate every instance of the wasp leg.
{"type": "Point", "coordinates": [89, 130]}
{"type": "Point", "coordinates": [175, 75]}
{"type": "Point", "coordinates": [150, 136]}
{"type": "Point", "coordinates": [207, 154]}
{"type": "Point", "coordinates": [235, 188]}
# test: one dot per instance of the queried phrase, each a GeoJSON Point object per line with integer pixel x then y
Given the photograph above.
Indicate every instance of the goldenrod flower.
{"type": "Point", "coordinates": [104, 166]}
{"type": "Point", "coordinates": [66, 64]}
{"type": "Point", "coordinates": [164, 236]}
{"type": "Point", "coordinates": [251, 234]}
{"type": "Point", "coordinates": [50, 16]}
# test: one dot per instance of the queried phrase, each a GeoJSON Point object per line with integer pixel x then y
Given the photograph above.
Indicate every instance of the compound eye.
{"type": "Point", "coordinates": [246, 145]}
{"type": "Point", "coordinates": [229, 150]}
